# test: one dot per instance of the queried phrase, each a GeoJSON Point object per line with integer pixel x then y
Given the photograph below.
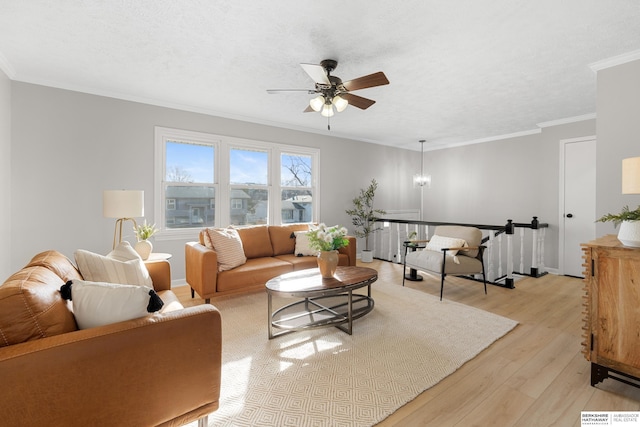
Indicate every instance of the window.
{"type": "Point", "coordinates": [236, 204]}
{"type": "Point", "coordinates": [205, 180]}
{"type": "Point", "coordinates": [249, 178]}
{"type": "Point", "coordinates": [189, 179]}
{"type": "Point", "coordinates": [296, 189]}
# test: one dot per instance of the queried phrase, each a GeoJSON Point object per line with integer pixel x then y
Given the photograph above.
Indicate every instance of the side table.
{"type": "Point", "coordinates": [158, 256]}
{"type": "Point", "coordinates": [413, 273]}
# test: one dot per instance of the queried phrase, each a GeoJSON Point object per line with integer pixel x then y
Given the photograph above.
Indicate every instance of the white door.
{"type": "Point", "coordinates": [578, 207]}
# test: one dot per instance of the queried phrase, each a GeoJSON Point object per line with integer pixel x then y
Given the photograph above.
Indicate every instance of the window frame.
{"type": "Point", "coordinates": [222, 146]}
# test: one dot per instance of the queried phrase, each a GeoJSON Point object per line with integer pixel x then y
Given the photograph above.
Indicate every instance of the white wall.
{"type": "Point", "coordinates": [5, 176]}
{"type": "Point", "coordinates": [618, 137]}
{"type": "Point", "coordinates": [68, 147]}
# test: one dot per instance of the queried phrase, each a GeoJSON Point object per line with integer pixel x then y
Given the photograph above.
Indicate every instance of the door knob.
{"type": "Point", "coordinates": [569, 215]}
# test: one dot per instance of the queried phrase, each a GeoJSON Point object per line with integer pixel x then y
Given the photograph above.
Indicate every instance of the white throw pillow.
{"type": "Point", "coordinates": [97, 304]}
{"type": "Point", "coordinates": [303, 246]}
{"type": "Point", "coordinates": [437, 243]}
{"type": "Point", "coordinates": [228, 246]}
{"type": "Point", "coordinates": [122, 265]}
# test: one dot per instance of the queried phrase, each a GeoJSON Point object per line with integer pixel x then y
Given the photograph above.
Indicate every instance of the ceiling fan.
{"type": "Point", "coordinates": [332, 91]}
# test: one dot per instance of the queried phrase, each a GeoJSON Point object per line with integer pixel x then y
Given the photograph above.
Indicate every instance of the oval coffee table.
{"type": "Point", "coordinates": [321, 302]}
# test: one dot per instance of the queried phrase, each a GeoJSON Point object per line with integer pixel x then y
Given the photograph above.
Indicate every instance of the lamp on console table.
{"type": "Point", "coordinates": [631, 175]}
{"type": "Point", "coordinates": [125, 205]}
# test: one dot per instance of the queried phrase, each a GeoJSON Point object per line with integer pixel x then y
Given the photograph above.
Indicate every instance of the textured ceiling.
{"type": "Point", "coordinates": [460, 70]}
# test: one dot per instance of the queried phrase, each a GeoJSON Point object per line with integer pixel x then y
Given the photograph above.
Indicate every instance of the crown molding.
{"type": "Point", "coordinates": [616, 60]}
{"type": "Point", "coordinates": [567, 120]}
{"type": "Point", "coordinates": [483, 140]}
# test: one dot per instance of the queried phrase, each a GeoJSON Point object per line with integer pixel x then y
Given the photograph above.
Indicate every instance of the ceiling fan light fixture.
{"type": "Point", "coordinates": [317, 103]}
{"type": "Point", "coordinates": [327, 110]}
{"type": "Point", "coordinates": [340, 103]}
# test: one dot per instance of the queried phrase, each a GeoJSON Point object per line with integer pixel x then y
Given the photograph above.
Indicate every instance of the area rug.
{"type": "Point", "coordinates": [325, 377]}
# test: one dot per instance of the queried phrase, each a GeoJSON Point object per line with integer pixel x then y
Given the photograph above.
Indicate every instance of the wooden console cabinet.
{"type": "Point", "coordinates": [612, 310]}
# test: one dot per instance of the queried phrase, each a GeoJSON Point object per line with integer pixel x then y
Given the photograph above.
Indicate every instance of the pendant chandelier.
{"type": "Point", "coordinates": [422, 180]}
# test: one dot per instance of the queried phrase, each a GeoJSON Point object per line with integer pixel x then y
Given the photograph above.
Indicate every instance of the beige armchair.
{"type": "Point", "coordinates": [459, 259]}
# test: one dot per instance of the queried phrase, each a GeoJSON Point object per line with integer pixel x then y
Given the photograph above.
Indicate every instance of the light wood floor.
{"type": "Point", "coordinates": [534, 376]}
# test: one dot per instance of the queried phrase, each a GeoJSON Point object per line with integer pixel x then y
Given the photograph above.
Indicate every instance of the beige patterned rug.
{"type": "Point", "coordinates": [324, 377]}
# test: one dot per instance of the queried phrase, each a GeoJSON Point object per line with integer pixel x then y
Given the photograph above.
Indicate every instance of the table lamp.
{"type": "Point", "coordinates": [123, 205]}
{"type": "Point", "coordinates": [629, 233]}
{"type": "Point", "coordinates": [631, 175]}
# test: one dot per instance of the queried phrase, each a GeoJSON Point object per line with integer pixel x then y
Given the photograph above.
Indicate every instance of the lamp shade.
{"type": "Point", "coordinates": [317, 103]}
{"type": "Point", "coordinates": [631, 175]}
{"type": "Point", "coordinates": [327, 110]}
{"type": "Point", "coordinates": [340, 103]}
{"type": "Point", "coordinates": [123, 203]}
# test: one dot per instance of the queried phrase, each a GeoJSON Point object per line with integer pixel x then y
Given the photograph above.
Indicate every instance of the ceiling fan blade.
{"type": "Point", "coordinates": [317, 73]}
{"type": "Point", "coordinates": [308, 109]}
{"type": "Point", "coordinates": [276, 91]}
{"type": "Point", "coordinates": [372, 80]}
{"type": "Point", "coordinates": [358, 101]}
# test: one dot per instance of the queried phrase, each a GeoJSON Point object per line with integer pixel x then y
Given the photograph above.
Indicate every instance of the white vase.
{"type": "Point", "coordinates": [144, 248]}
{"type": "Point", "coordinates": [629, 233]}
{"type": "Point", "coordinates": [367, 256]}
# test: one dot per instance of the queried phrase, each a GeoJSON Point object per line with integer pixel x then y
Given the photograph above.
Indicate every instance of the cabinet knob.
{"type": "Point", "coordinates": [569, 215]}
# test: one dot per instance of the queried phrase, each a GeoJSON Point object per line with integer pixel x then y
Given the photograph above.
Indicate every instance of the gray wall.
{"type": "Point", "coordinates": [68, 147]}
{"type": "Point", "coordinates": [5, 176]}
{"type": "Point", "coordinates": [618, 137]}
{"type": "Point", "coordinates": [489, 183]}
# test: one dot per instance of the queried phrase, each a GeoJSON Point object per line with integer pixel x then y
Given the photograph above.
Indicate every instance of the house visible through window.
{"type": "Point", "coordinates": [296, 180]}
{"type": "Point", "coordinates": [205, 180]}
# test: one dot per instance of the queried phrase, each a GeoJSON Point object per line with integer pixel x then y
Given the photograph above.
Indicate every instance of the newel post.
{"type": "Point", "coordinates": [534, 253]}
{"type": "Point", "coordinates": [509, 230]}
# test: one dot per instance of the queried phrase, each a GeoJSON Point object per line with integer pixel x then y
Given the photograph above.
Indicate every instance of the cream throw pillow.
{"type": "Point", "coordinates": [303, 246]}
{"type": "Point", "coordinates": [228, 246]}
{"type": "Point", "coordinates": [122, 265]}
{"type": "Point", "coordinates": [97, 304]}
{"type": "Point", "coordinates": [437, 243]}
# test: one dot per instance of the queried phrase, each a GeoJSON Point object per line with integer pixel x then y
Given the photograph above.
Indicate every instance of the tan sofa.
{"type": "Point", "coordinates": [162, 369]}
{"type": "Point", "coordinates": [269, 251]}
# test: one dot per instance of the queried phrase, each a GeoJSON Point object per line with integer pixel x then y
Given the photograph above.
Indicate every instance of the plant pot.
{"type": "Point", "coordinates": [629, 233]}
{"type": "Point", "coordinates": [367, 256]}
{"type": "Point", "coordinates": [144, 248]}
{"type": "Point", "coordinates": [327, 263]}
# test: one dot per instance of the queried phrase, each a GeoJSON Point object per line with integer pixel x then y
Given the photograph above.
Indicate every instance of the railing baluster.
{"type": "Point", "coordinates": [521, 269]}
{"type": "Point", "coordinates": [490, 248]}
{"type": "Point", "coordinates": [500, 274]}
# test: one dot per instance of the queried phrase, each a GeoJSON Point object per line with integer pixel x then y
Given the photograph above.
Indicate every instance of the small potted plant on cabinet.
{"type": "Point", "coordinates": [629, 222]}
{"type": "Point", "coordinates": [364, 217]}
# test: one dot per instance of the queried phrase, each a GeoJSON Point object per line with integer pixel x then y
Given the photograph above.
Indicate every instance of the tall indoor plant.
{"type": "Point", "coordinates": [364, 216]}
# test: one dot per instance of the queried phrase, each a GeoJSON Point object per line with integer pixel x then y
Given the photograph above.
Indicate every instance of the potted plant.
{"type": "Point", "coordinates": [629, 221]}
{"type": "Point", "coordinates": [364, 216]}
{"type": "Point", "coordinates": [412, 237]}
{"type": "Point", "coordinates": [143, 233]}
{"type": "Point", "coordinates": [327, 241]}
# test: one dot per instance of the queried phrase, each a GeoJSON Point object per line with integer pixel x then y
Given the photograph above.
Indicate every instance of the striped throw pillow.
{"type": "Point", "coordinates": [228, 246]}
{"type": "Point", "coordinates": [122, 265]}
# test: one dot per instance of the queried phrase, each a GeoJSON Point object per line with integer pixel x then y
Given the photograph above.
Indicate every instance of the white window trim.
{"type": "Point", "coordinates": [222, 146]}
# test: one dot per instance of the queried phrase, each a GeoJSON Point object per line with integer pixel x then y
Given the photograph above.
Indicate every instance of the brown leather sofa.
{"type": "Point", "coordinates": [159, 370]}
{"type": "Point", "coordinates": [270, 252]}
